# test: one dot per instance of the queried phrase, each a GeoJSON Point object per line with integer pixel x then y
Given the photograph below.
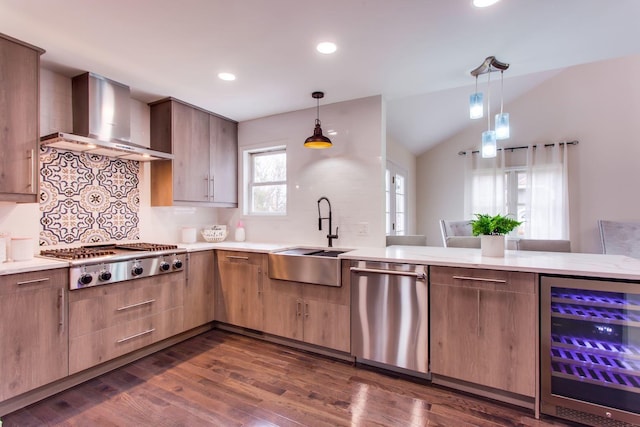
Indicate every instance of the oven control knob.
{"type": "Point", "coordinates": [137, 270]}
{"type": "Point", "coordinates": [85, 279]}
{"type": "Point", "coordinates": [104, 275]}
{"type": "Point", "coordinates": [177, 264]}
{"type": "Point", "coordinates": [164, 266]}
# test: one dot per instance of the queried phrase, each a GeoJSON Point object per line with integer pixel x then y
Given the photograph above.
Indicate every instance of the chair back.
{"type": "Point", "coordinates": [409, 240]}
{"type": "Point", "coordinates": [620, 238]}
{"type": "Point", "coordinates": [454, 228]}
{"type": "Point", "coordinates": [463, 242]}
{"type": "Point", "coordinates": [543, 245]}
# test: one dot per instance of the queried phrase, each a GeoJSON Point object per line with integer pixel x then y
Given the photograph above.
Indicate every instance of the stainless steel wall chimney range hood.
{"type": "Point", "coordinates": [101, 121]}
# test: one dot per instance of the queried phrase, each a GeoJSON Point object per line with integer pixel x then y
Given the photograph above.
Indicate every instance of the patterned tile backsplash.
{"type": "Point", "coordinates": [87, 198]}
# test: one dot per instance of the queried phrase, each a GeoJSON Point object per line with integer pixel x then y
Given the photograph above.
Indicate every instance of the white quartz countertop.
{"type": "Point", "coordinates": [234, 246]}
{"type": "Point", "coordinates": [35, 264]}
{"type": "Point", "coordinates": [578, 264]}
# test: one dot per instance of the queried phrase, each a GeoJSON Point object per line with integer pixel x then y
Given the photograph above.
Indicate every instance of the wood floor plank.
{"type": "Point", "coordinates": [224, 379]}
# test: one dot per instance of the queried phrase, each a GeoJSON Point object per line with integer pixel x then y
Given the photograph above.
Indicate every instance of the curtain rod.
{"type": "Point", "coordinates": [463, 153]}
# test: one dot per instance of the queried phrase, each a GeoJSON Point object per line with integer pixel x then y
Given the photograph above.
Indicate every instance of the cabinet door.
{"type": "Point", "coordinates": [33, 330]}
{"type": "Point", "coordinates": [483, 327]}
{"type": "Point", "coordinates": [224, 160]}
{"type": "Point", "coordinates": [199, 289]}
{"type": "Point", "coordinates": [190, 134]}
{"type": "Point", "coordinates": [283, 309]}
{"type": "Point", "coordinates": [19, 80]}
{"type": "Point", "coordinates": [240, 279]}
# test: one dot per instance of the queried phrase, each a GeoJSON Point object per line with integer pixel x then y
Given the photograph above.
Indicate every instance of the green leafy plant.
{"type": "Point", "coordinates": [492, 225]}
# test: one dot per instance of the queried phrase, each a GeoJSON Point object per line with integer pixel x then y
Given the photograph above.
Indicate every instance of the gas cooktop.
{"type": "Point", "coordinates": [98, 251]}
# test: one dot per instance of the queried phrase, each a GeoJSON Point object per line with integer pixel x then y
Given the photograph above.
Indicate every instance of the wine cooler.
{"type": "Point", "coordinates": [590, 350]}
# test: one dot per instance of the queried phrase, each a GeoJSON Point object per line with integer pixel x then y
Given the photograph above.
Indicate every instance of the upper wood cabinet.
{"type": "Point", "coordinates": [19, 118]}
{"type": "Point", "coordinates": [204, 171]}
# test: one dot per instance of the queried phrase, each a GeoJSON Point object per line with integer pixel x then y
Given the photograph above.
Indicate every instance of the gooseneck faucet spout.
{"type": "Point", "coordinates": [330, 237]}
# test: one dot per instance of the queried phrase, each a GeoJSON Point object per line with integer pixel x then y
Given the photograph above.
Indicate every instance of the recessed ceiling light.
{"type": "Point", "coordinates": [326, 47]}
{"type": "Point", "coordinates": [484, 3]}
{"type": "Point", "coordinates": [226, 76]}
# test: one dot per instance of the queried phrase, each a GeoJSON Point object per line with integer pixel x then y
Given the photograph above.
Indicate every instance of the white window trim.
{"type": "Point", "coordinates": [394, 169]}
{"type": "Point", "coordinates": [247, 181]}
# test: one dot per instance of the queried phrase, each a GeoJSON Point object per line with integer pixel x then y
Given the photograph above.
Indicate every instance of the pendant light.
{"type": "Point", "coordinates": [488, 148]}
{"type": "Point", "coordinates": [317, 140]}
{"type": "Point", "coordinates": [489, 137]}
{"type": "Point", "coordinates": [475, 104]}
{"type": "Point", "coordinates": [502, 119]}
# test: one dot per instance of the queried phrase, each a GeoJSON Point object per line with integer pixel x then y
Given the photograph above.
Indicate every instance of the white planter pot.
{"type": "Point", "coordinates": [492, 245]}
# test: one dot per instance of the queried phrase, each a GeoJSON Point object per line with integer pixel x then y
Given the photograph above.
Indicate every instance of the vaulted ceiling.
{"type": "Point", "coordinates": [416, 53]}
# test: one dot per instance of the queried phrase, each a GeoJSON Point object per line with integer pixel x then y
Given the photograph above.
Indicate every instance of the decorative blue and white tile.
{"type": "Point", "coordinates": [87, 198]}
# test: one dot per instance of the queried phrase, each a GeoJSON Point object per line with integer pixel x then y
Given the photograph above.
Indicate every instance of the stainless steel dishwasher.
{"type": "Point", "coordinates": [390, 315]}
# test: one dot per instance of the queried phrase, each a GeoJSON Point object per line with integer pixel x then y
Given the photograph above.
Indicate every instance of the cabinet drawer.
{"type": "Point", "coordinates": [254, 258]}
{"type": "Point", "coordinates": [495, 280]}
{"type": "Point", "coordinates": [92, 349]}
{"type": "Point", "coordinates": [33, 280]}
{"type": "Point", "coordinates": [101, 307]}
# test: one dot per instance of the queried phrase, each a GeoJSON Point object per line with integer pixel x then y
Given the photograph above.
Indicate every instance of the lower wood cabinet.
{"type": "Point", "coordinates": [240, 281]}
{"type": "Point", "coordinates": [314, 314]}
{"type": "Point", "coordinates": [199, 301]}
{"type": "Point", "coordinates": [34, 330]}
{"type": "Point", "coordinates": [112, 320]}
{"type": "Point", "coordinates": [484, 327]}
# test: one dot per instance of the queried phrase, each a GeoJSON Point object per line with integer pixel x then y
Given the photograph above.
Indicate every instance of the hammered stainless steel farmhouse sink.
{"type": "Point", "coordinates": [307, 265]}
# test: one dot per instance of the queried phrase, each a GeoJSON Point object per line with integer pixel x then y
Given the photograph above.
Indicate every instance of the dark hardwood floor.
{"type": "Point", "coordinates": [223, 379]}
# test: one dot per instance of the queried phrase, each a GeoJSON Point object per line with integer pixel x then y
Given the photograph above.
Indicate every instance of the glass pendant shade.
{"type": "Point", "coordinates": [475, 105]}
{"type": "Point", "coordinates": [317, 140]}
{"type": "Point", "coordinates": [502, 126]}
{"type": "Point", "coordinates": [489, 148]}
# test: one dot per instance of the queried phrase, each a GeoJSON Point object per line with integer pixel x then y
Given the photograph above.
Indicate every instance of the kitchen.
{"type": "Point", "coordinates": [344, 173]}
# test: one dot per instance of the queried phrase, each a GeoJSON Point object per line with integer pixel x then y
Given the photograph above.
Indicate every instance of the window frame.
{"type": "Point", "coordinates": [391, 172]}
{"type": "Point", "coordinates": [249, 156]}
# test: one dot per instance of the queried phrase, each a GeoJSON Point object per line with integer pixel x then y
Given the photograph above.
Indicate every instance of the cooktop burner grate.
{"type": "Point", "coordinates": [77, 253]}
{"type": "Point", "coordinates": [147, 246]}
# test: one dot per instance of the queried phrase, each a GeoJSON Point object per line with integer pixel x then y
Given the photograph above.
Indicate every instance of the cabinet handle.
{"type": "Point", "coordinates": [479, 279]}
{"type": "Point", "coordinates": [244, 258]}
{"type": "Point", "coordinates": [212, 189]}
{"type": "Point", "coordinates": [31, 282]}
{"type": "Point", "coordinates": [478, 313]}
{"type": "Point", "coordinates": [206, 182]}
{"type": "Point", "coordinates": [138, 304]}
{"type": "Point", "coordinates": [148, 331]}
{"type": "Point", "coordinates": [418, 276]}
{"type": "Point", "coordinates": [306, 309]}
{"type": "Point", "coordinates": [298, 308]}
{"type": "Point", "coordinates": [32, 156]}
{"type": "Point", "coordinates": [61, 310]}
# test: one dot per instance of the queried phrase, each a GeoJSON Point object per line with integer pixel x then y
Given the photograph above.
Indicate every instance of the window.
{"type": "Point", "coordinates": [530, 185]}
{"type": "Point", "coordinates": [396, 200]}
{"type": "Point", "coordinates": [267, 181]}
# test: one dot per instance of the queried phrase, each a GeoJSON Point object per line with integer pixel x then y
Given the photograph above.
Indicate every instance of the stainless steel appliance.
{"type": "Point", "coordinates": [101, 121]}
{"type": "Point", "coordinates": [590, 361]}
{"type": "Point", "coordinates": [390, 316]}
{"type": "Point", "coordinates": [106, 264]}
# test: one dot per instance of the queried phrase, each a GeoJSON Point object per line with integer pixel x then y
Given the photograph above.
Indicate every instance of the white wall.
{"type": "Point", "coordinates": [350, 174]}
{"type": "Point", "coordinates": [596, 104]}
{"type": "Point", "coordinates": [398, 154]}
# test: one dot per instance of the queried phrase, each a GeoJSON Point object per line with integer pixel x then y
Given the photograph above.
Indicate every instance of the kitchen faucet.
{"type": "Point", "coordinates": [330, 236]}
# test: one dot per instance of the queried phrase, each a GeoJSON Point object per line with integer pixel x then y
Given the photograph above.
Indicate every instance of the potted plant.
{"type": "Point", "coordinates": [492, 230]}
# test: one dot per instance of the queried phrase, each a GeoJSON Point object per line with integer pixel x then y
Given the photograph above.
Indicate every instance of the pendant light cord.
{"type": "Point", "coordinates": [489, 101]}
{"type": "Point", "coordinates": [501, 90]}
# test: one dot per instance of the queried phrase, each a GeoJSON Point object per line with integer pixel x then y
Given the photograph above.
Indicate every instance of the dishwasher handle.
{"type": "Point", "coordinates": [418, 276]}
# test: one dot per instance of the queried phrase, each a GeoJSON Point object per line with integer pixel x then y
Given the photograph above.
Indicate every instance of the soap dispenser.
{"type": "Point", "coordinates": [240, 233]}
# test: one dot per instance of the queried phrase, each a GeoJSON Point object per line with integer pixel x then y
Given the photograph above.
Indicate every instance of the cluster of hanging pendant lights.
{"type": "Point", "coordinates": [476, 107]}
